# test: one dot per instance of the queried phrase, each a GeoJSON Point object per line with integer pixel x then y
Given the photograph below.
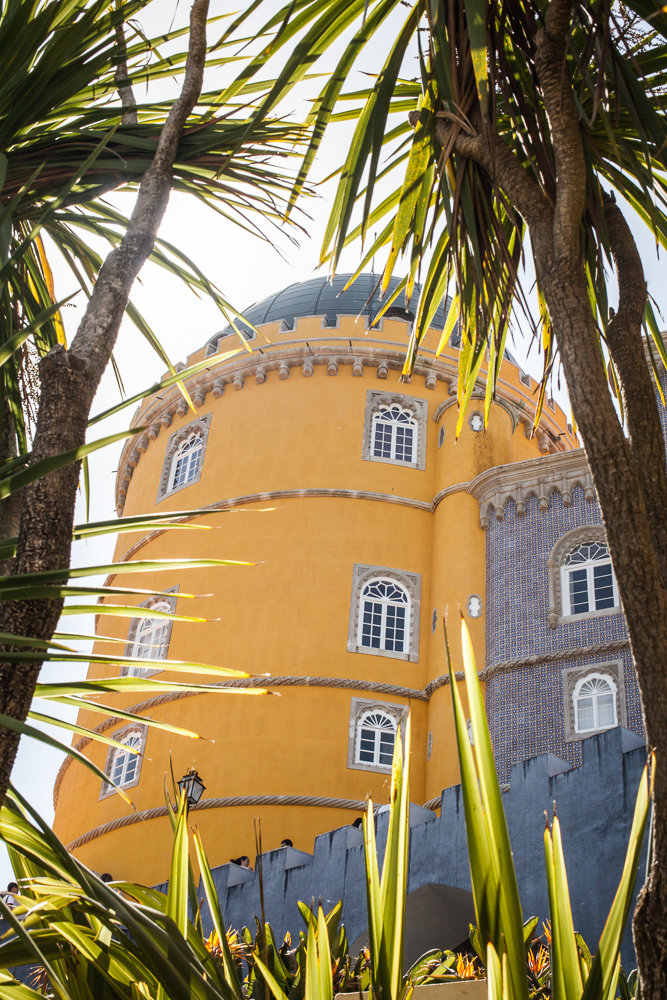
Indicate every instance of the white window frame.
{"type": "Point", "coordinates": [134, 731]}
{"type": "Point", "coordinates": [589, 566]}
{"type": "Point", "coordinates": [559, 599]}
{"type": "Point", "coordinates": [133, 641]}
{"type": "Point", "coordinates": [361, 708]}
{"type": "Point", "coordinates": [190, 448]}
{"type": "Point", "coordinates": [577, 697]}
{"type": "Point", "coordinates": [385, 604]}
{"type": "Point", "coordinates": [410, 583]}
{"type": "Point", "coordinates": [364, 722]}
{"type": "Point", "coordinates": [378, 401]}
{"type": "Point", "coordinates": [396, 428]}
{"type": "Point", "coordinates": [174, 451]}
{"type": "Point", "coordinates": [573, 679]}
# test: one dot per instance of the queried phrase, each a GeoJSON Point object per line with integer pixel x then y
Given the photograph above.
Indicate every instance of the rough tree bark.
{"type": "Point", "coordinates": [10, 507]}
{"type": "Point", "coordinates": [629, 474]}
{"type": "Point", "coordinates": [69, 381]}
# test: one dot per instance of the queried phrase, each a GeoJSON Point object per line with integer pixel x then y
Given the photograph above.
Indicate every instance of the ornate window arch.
{"type": "Point", "coordinates": [372, 734]}
{"type": "Point", "coordinates": [384, 612]}
{"type": "Point", "coordinates": [184, 457]}
{"type": "Point", "coordinates": [595, 704]}
{"type": "Point", "coordinates": [395, 429]}
{"type": "Point", "coordinates": [593, 699]}
{"type": "Point", "coordinates": [124, 766]}
{"type": "Point", "coordinates": [581, 578]}
{"type": "Point", "coordinates": [149, 636]}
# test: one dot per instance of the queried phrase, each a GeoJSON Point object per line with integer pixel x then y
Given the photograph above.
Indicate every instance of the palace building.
{"type": "Point", "coordinates": [368, 524]}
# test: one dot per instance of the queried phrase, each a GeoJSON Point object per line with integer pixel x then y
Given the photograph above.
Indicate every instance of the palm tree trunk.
{"type": "Point", "coordinates": [69, 381]}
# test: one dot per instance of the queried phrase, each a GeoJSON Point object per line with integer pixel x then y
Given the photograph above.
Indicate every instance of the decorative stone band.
{"type": "Point", "coordinates": [540, 477]}
{"type": "Point", "coordinates": [433, 803]}
{"type": "Point", "coordinates": [289, 357]}
{"type": "Point", "coordinates": [233, 800]}
{"type": "Point", "coordinates": [273, 495]}
{"type": "Point", "coordinates": [417, 694]}
{"type": "Point", "coordinates": [555, 656]}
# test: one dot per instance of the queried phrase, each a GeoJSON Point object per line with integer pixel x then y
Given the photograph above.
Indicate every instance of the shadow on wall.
{"type": "Point", "coordinates": [436, 916]}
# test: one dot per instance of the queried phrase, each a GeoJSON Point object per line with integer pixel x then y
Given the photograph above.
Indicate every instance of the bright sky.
{"type": "Point", "coordinates": [245, 269]}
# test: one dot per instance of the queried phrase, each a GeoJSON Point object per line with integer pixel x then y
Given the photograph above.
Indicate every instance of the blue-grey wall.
{"type": "Point", "coordinates": [595, 805]}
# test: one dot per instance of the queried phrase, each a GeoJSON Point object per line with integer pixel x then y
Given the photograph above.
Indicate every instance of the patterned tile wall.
{"type": "Point", "coordinates": [525, 706]}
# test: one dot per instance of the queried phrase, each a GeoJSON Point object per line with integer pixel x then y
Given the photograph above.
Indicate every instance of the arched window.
{"type": "Point", "coordinates": [588, 580]}
{"type": "Point", "coordinates": [595, 704]}
{"type": "Point", "coordinates": [376, 735]}
{"type": "Point", "coordinates": [395, 434]}
{"type": "Point", "coordinates": [384, 616]}
{"type": "Point", "coordinates": [187, 460]}
{"type": "Point", "coordinates": [124, 768]}
{"type": "Point", "coordinates": [151, 639]}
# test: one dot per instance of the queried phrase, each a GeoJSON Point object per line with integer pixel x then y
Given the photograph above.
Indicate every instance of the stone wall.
{"type": "Point", "coordinates": [595, 806]}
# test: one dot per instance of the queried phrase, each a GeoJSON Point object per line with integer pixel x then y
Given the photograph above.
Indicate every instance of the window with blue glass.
{"type": "Point", "coordinates": [384, 616]}
{"type": "Point", "coordinates": [588, 580]}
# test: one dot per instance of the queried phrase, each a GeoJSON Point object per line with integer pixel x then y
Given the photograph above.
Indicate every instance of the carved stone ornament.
{"type": "Point", "coordinates": [202, 424]}
{"type": "Point", "coordinates": [539, 477]}
{"type": "Point", "coordinates": [375, 400]}
{"type": "Point", "coordinates": [571, 677]}
{"type": "Point", "coordinates": [358, 709]}
{"type": "Point", "coordinates": [581, 535]}
{"type": "Point", "coordinates": [412, 582]}
{"type": "Point", "coordinates": [141, 729]}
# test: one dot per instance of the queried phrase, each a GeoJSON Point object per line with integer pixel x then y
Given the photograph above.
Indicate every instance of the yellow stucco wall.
{"type": "Point", "coordinates": [288, 614]}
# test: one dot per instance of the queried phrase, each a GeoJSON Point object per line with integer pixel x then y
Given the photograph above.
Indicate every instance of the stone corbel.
{"type": "Point", "coordinates": [142, 443]}
{"type": "Point", "coordinates": [358, 368]}
{"type": "Point", "coordinates": [283, 370]}
{"type": "Point", "coordinates": [218, 388]}
{"type": "Point", "coordinates": [543, 499]}
{"type": "Point", "coordinates": [167, 418]}
{"type": "Point", "coordinates": [431, 380]}
{"type": "Point", "coordinates": [499, 508]}
{"type": "Point", "coordinates": [133, 460]}
{"type": "Point", "coordinates": [238, 381]}
{"type": "Point", "coordinates": [519, 499]}
{"type": "Point", "coordinates": [332, 367]}
{"type": "Point", "coordinates": [383, 369]}
{"type": "Point", "coordinates": [153, 432]}
{"type": "Point", "coordinates": [182, 408]}
{"type": "Point", "coordinates": [260, 376]}
{"type": "Point", "coordinates": [199, 397]}
{"type": "Point", "coordinates": [308, 368]}
{"type": "Point", "coordinates": [589, 489]}
{"type": "Point", "coordinates": [543, 442]}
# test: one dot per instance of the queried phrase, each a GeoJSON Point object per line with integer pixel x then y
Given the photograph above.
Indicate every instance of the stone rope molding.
{"type": "Point", "coordinates": [416, 694]}
{"type": "Point", "coordinates": [288, 355]}
{"type": "Point", "coordinates": [554, 656]}
{"type": "Point", "coordinates": [234, 800]}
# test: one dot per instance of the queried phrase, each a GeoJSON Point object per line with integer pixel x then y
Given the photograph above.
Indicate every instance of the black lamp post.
{"type": "Point", "coordinates": [193, 787]}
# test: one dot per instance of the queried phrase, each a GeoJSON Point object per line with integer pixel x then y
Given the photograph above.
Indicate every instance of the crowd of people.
{"type": "Point", "coordinates": [244, 861]}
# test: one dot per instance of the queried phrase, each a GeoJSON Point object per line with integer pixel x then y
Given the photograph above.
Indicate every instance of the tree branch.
{"type": "Point", "coordinates": [627, 349]}
{"type": "Point", "coordinates": [121, 76]}
{"type": "Point", "coordinates": [554, 77]}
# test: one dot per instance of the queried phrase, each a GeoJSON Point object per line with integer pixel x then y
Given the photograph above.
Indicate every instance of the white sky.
{"type": "Point", "coordinates": [246, 270]}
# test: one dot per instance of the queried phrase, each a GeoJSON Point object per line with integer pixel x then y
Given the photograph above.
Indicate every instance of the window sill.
{"type": "Point", "coordinates": [378, 768]}
{"type": "Point", "coordinates": [565, 619]}
{"type": "Point", "coordinates": [578, 737]}
{"type": "Point", "coordinates": [352, 647]}
{"type": "Point", "coordinates": [395, 461]}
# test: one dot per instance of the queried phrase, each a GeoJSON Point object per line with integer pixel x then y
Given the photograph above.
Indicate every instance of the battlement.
{"type": "Point", "coordinates": [595, 808]}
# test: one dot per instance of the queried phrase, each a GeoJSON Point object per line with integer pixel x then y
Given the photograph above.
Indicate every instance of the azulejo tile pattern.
{"type": "Point", "coordinates": [525, 705]}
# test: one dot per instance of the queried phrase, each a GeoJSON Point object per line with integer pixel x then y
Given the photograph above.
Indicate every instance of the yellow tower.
{"type": "Point", "coordinates": [371, 537]}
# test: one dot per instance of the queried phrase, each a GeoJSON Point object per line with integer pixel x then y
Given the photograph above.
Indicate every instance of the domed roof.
{"type": "Point", "coordinates": [320, 297]}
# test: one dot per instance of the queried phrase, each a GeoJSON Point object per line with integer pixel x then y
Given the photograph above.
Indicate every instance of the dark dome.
{"type": "Point", "coordinates": [319, 297]}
